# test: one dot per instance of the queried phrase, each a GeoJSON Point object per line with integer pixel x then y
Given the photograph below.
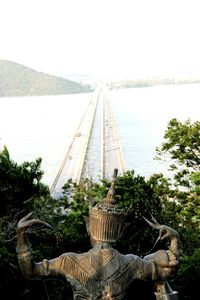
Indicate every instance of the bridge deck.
{"type": "Point", "coordinates": [73, 161]}
{"type": "Point", "coordinates": [111, 154]}
{"type": "Point", "coordinates": [111, 149]}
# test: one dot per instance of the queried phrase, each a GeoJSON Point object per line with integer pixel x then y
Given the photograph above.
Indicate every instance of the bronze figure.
{"type": "Point", "coordinates": [102, 272]}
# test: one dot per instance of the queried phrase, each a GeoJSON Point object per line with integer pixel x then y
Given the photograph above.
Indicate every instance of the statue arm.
{"type": "Point", "coordinates": [164, 264]}
{"type": "Point", "coordinates": [151, 268]}
{"type": "Point", "coordinates": [27, 265]}
{"type": "Point", "coordinates": [25, 258]}
{"type": "Point", "coordinates": [167, 261]}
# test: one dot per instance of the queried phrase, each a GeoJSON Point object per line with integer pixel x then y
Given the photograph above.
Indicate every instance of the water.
{"type": "Point", "coordinates": [142, 116]}
{"type": "Point", "coordinates": [34, 127]}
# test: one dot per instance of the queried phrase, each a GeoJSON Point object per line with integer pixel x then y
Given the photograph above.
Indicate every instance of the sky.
{"type": "Point", "coordinates": [102, 37]}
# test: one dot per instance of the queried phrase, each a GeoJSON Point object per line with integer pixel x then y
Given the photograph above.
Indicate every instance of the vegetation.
{"type": "Point", "coordinates": [18, 80]}
{"type": "Point", "coordinates": [182, 149]}
{"type": "Point", "coordinates": [178, 206]}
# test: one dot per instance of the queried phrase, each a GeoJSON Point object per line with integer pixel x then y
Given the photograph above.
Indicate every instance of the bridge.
{"type": "Point", "coordinates": [111, 154]}
{"type": "Point", "coordinates": [97, 124]}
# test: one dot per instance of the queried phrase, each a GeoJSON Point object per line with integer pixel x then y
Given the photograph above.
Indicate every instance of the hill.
{"type": "Point", "coordinates": [19, 80]}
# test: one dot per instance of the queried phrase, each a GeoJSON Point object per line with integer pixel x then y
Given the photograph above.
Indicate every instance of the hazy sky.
{"type": "Point", "coordinates": [102, 37]}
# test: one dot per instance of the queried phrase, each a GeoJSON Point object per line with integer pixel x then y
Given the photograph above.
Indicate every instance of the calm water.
{"type": "Point", "coordinates": [34, 127]}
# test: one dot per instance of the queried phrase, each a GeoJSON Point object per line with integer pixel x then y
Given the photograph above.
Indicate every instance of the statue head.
{"type": "Point", "coordinates": [107, 221]}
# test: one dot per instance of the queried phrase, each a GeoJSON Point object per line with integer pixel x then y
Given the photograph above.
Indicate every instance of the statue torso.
{"type": "Point", "coordinates": [98, 274]}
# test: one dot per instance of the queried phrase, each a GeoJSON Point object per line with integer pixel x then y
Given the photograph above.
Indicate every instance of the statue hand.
{"type": "Point", "coordinates": [164, 231]}
{"type": "Point", "coordinates": [163, 258]}
{"type": "Point", "coordinates": [166, 263]}
{"type": "Point", "coordinates": [167, 232]}
{"type": "Point", "coordinates": [26, 222]}
{"type": "Point", "coordinates": [166, 272]}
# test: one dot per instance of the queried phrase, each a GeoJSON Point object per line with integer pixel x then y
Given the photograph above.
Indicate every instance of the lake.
{"type": "Point", "coordinates": [43, 126]}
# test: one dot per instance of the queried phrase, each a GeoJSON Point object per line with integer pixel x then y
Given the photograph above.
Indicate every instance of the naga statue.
{"type": "Point", "coordinates": [103, 273]}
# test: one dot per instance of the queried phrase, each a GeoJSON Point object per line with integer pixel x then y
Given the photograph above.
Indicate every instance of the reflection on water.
{"type": "Point", "coordinates": [34, 127]}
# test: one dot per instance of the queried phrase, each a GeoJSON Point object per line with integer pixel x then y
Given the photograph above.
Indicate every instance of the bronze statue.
{"type": "Point", "coordinates": [102, 272]}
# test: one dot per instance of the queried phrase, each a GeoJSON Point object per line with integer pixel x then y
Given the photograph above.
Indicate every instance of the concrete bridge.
{"type": "Point", "coordinates": [96, 125]}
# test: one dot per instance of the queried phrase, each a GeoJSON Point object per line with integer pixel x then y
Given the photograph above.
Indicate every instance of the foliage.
{"type": "Point", "coordinates": [182, 148]}
{"type": "Point", "coordinates": [187, 280]}
{"type": "Point", "coordinates": [20, 185]}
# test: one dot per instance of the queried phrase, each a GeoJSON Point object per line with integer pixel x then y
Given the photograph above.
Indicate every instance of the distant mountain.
{"type": "Point", "coordinates": [19, 80]}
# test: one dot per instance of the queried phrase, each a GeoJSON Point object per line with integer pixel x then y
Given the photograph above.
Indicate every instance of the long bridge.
{"type": "Point", "coordinates": [97, 132]}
